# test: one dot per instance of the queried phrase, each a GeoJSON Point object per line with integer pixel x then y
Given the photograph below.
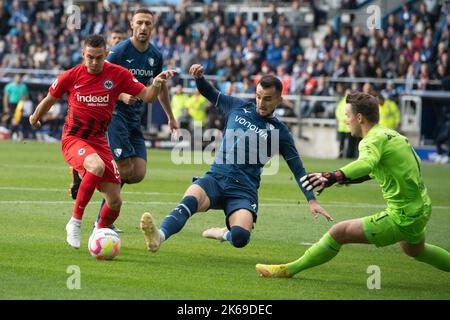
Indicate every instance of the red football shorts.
{"type": "Point", "coordinates": [75, 150]}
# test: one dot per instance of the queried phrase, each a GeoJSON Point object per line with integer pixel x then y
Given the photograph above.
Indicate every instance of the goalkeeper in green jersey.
{"type": "Point", "coordinates": [387, 157]}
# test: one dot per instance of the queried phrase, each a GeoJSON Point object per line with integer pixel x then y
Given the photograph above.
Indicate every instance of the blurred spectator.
{"type": "Point", "coordinates": [389, 113]}
{"type": "Point", "coordinates": [412, 44]}
{"type": "Point", "coordinates": [179, 104]}
{"type": "Point", "coordinates": [23, 111]}
{"type": "Point", "coordinates": [424, 77]}
{"type": "Point", "coordinates": [52, 122]}
{"type": "Point", "coordinates": [13, 92]}
{"type": "Point", "coordinates": [115, 37]}
{"type": "Point", "coordinates": [389, 91]}
{"type": "Point", "coordinates": [197, 108]}
{"type": "Point", "coordinates": [294, 17]}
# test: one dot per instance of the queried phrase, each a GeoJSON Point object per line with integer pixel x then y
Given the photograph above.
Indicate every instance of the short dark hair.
{"type": "Point", "coordinates": [269, 81]}
{"type": "Point", "coordinates": [365, 104]}
{"type": "Point", "coordinates": [117, 30]}
{"type": "Point", "coordinates": [143, 10]}
{"type": "Point", "coordinates": [95, 41]}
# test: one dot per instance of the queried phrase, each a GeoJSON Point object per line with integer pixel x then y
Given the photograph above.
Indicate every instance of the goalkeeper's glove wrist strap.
{"type": "Point", "coordinates": [340, 176]}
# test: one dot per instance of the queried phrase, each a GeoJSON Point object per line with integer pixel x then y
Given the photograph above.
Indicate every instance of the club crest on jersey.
{"type": "Point", "coordinates": [81, 151]}
{"type": "Point", "coordinates": [151, 61]}
{"type": "Point", "coordinates": [108, 84]}
{"type": "Point", "coordinates": [118, 152]}
{"type": "Point", "coordinates": [270, 126]}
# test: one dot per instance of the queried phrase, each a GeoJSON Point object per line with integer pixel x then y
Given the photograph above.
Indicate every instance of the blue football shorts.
{"type": "Point", "coordinates": [125, 139]}
{"type": "Point", "coordinates": [225, 193]}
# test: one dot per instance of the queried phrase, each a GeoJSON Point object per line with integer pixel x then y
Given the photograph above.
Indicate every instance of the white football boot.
{"type": "Point", "coordinates": [215, 233]}
{"type": "Point", "coordinates": [73, 229]}
{"type": "Point", "coordinates": [151, 233]}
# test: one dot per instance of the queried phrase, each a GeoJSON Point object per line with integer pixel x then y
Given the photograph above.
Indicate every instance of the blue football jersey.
{"type": "Point", "coordinates": [249, 141]}
{"type": "Point", "coordinates": [143, 65]}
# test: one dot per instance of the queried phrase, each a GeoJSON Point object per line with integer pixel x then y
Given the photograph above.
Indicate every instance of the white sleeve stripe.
{"type": "Point", "coordinates": [217, 101]}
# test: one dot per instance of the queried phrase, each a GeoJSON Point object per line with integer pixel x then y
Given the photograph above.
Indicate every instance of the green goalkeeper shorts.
{"type": "Point", "coordinates": [381, 229]}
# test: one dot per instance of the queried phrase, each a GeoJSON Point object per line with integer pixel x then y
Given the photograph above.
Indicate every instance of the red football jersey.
{"type": "Point", "coordinates": [92, 98]}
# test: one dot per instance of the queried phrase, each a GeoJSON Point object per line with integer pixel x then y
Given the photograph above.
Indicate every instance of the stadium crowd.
{"type": "Point", "coordinates": [412, 45]}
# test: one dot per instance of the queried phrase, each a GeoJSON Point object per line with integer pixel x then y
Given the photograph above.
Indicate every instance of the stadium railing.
{"type": "Point", "coordinates": [421, 113]}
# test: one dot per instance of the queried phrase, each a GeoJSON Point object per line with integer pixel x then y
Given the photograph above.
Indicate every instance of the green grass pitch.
{"type": "Point", "coordinates": [34, 258]}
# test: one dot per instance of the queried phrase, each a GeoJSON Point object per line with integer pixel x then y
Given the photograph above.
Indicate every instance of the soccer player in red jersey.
{"type": "Point", "coordinates": [93, 88]}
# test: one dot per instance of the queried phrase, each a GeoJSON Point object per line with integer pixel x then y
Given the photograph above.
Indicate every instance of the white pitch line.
{"type": "Point", "coordinates": [352, 205]}
{"type": "Point", "coordinates": [72, 202]}
{"type": "Point", "coordinates": [336, 204]}
{"type": "Point", "coordinates": [66, 190]}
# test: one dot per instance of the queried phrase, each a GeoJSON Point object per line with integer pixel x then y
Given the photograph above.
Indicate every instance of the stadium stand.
{"type": "Point", "coordinates": [311, 45]}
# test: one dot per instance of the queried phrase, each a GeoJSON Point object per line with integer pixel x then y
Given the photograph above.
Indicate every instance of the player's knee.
{"type": "Point", "coordinates": [125, 170]}
{"type": "Point", "coordinates": [411, 250]}
{"type": "Point", "coordinates": [338, 232]}
{"type": "Point", "coordinates": [240, 237]}
{"type": "Point", "coordinates": [136, 177]}
{"type": "Point", "coordinates": [115, 203]}
{"type": "Point", "coordinates": [95, 165]}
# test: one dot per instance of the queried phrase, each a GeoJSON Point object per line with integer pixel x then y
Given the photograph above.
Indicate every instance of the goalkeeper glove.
{"type": "Point", "coordinates": [322, 180]}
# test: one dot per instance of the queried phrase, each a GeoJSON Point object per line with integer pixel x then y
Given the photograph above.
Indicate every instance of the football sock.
{"type": "Point", "coordinates": [87, 188]}
{"type": "Point", "coordinates": [176, 220]}
{"type": "Point", "coordinates": [435, 256]}
{"type": "Point", "coordinates": [103, 202]}
{"type": "Point", "coordinates": [227, 236]}
{"type": "Point", "coordinates": [75, 220]}
{"type": "Point", "coordinates": [107, 217]}
{"type": "Point", "coordinates": [322, 251]}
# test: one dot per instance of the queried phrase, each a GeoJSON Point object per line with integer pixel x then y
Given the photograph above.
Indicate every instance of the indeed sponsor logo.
{"type": "Point", "coordinates": [244, 122]}
{"type": "Point", "coordinates": [93, 99]}
{"type": "Point", "coordinates": [141, 72]}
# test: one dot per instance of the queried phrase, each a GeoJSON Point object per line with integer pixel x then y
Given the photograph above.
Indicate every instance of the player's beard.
{"type": "Point", "coordinates": [143, 38]}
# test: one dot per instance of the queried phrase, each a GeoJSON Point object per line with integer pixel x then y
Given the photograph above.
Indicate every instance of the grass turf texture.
{"type": "Point", "coordinates": [34, 258]}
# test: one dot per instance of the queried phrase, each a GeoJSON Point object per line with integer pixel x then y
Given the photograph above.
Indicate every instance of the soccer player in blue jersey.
{"type": "Point", "coordinates": [232, 185]}
{"type": "Point", "coordinates": [144, 61]}
{"type": "Point", "coordinates": [124, 134]}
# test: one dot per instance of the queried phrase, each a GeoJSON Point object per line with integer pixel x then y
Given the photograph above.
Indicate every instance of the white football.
{"type": "Point", "coordinates": [104, 244]}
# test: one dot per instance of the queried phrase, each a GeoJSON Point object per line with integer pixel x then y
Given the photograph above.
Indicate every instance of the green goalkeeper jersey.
{"type": "Point", "coordinates": [386, 156]}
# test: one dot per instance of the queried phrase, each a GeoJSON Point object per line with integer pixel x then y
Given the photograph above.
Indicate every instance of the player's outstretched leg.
{"type": "Point", "coordinates": [75, 184]}
{"type": "Point", "coordinates": [151, 233]}
{"type": "Point", "coordinates": [172, 224]}
{"type": "Point", "coordinates": [86, 190]}
{"type": "Point", "coordinates": [435, 256]}
{"type": "Point", "coordinates": [322, 251]}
